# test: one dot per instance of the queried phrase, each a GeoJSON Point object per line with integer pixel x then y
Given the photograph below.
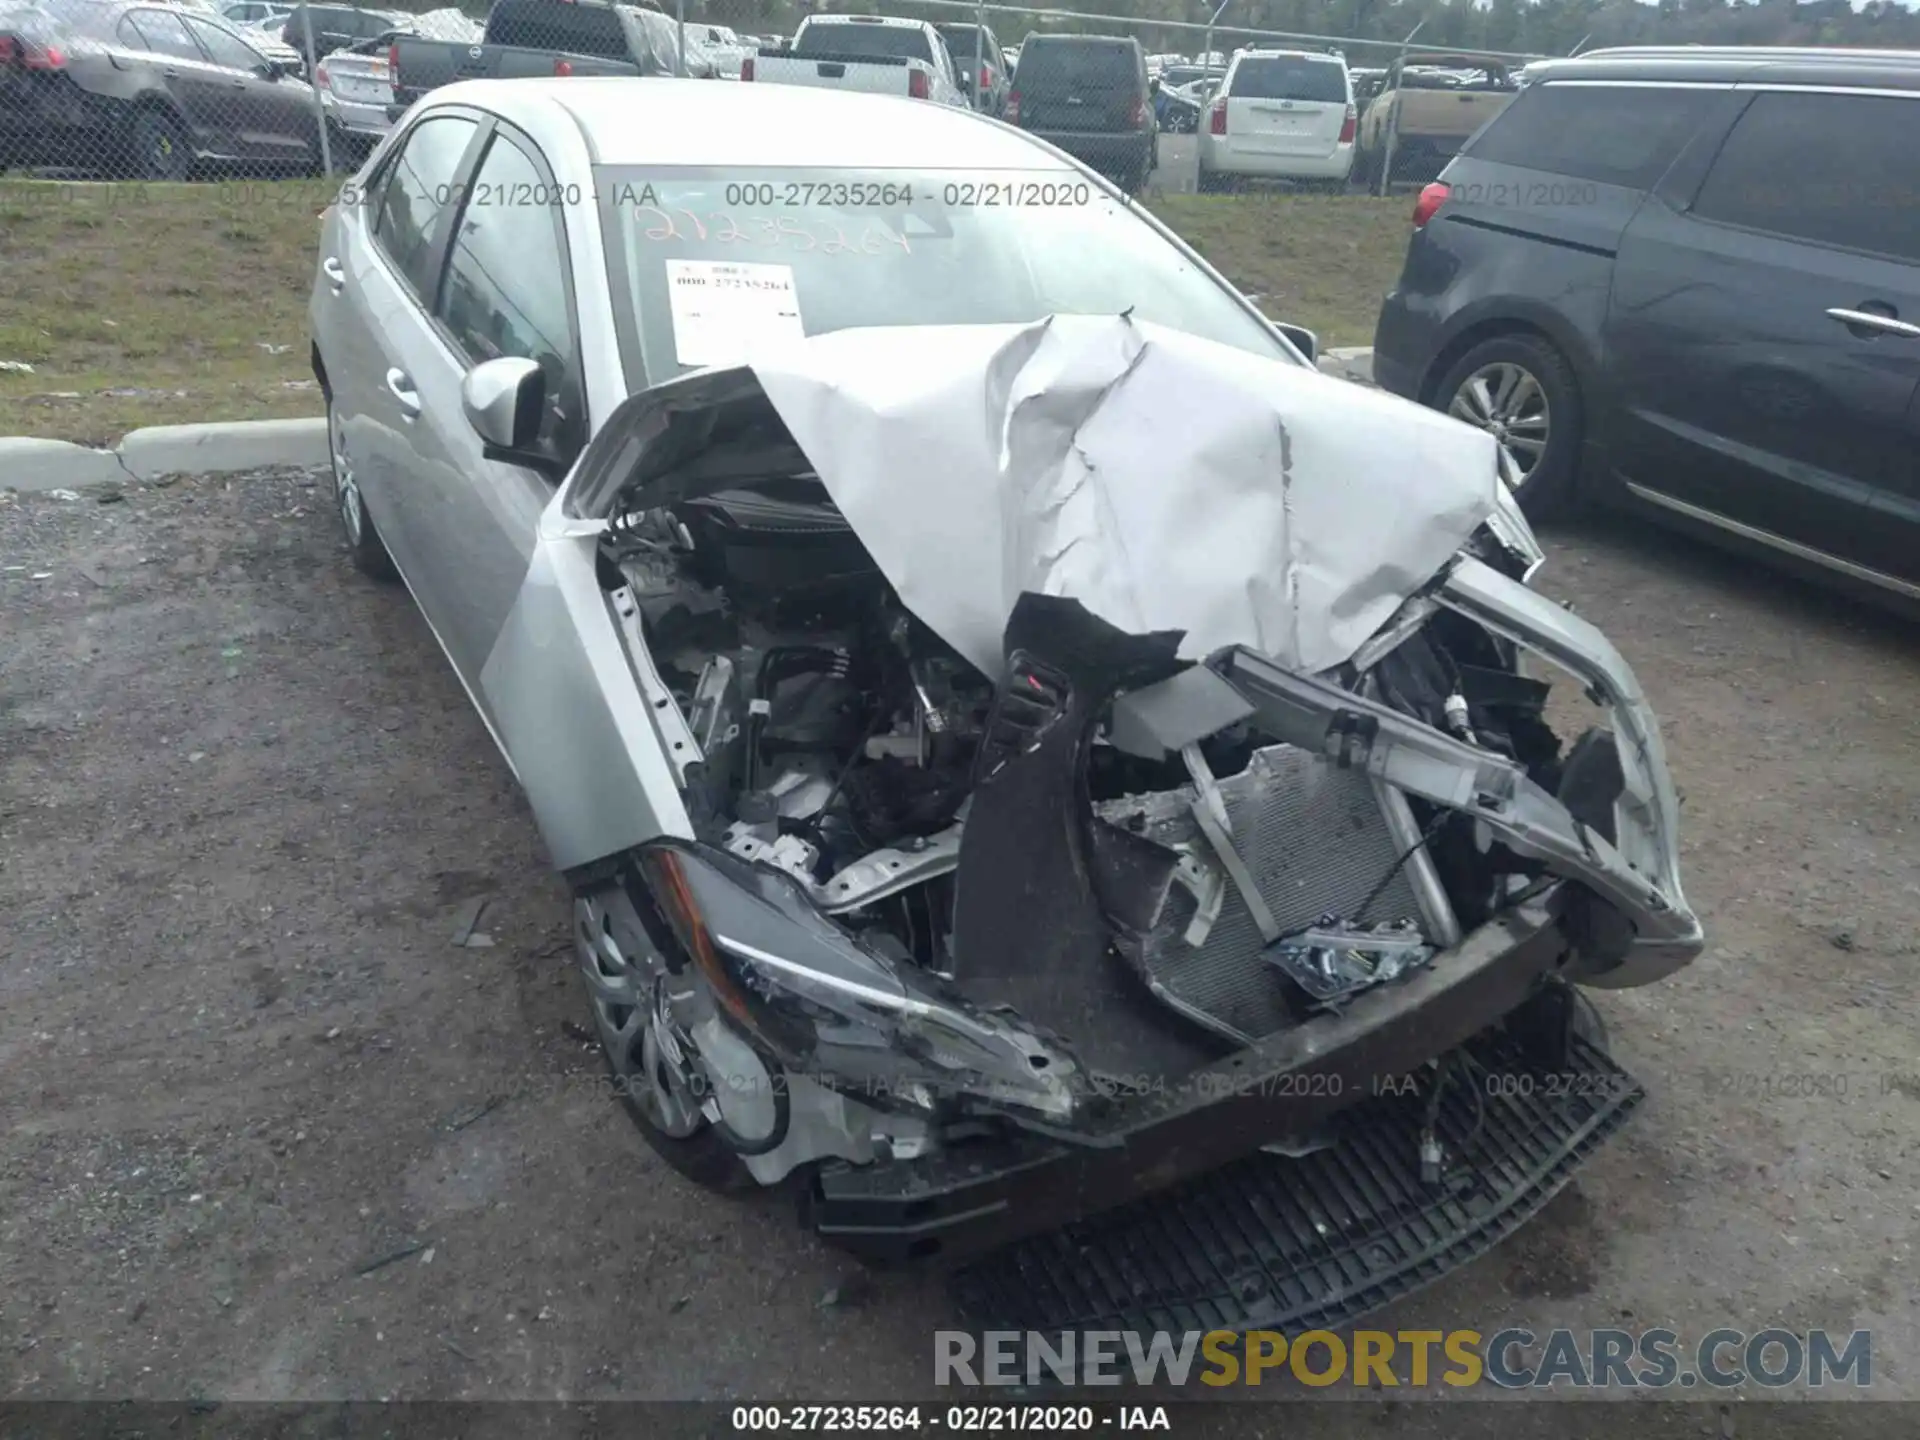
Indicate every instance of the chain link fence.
{"type": "Point", "coordinates": [183, 89]}
{"type": "Point", "coordinates": [189, 89]}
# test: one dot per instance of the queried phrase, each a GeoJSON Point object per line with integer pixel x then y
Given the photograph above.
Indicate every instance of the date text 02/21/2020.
{"type": "Point", "coordinates": [958, 1419]}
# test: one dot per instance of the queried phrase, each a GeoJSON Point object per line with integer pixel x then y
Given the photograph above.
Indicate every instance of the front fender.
{"type": "Point", "coordinates": [568, 710]}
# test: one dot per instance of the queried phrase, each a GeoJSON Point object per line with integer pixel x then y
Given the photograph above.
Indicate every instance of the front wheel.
{"type": "Point", "coordinates": [1521, 390]}
{"type": "Point", "coordinates": [644, 1059]}
{"type": "Point", "coordinates": [157, 146]}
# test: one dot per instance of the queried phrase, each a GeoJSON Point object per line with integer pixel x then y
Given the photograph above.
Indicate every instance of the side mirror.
{"type": "Point", "coordinates": [1303, 340]}
{"type": "Point", "coordinates": [504, 400]}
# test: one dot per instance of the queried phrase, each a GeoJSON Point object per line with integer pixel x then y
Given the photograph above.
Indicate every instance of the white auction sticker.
{"type": "Point", "coordinates": [720, 308]}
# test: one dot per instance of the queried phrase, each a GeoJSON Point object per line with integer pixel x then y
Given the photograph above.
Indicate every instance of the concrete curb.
{"type": "Point", "coordinates": [1349, 362]}
{"type": "Point", "coordinates": [27, 464]}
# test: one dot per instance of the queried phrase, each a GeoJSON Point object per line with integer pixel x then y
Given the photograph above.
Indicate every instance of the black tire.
{"type": "Point", "coordinates": [1549, 490]}
{"type": "Point", "coordinates": [1212, 184]}
{"type": "Point", "coordinates": [1364, 162]}
{"type": "Point", "coordinates": [364, 546]}
{"type": "Point", "coordinates": [157, 146]}
{"type": "Point", "coordinates": [606, 929]}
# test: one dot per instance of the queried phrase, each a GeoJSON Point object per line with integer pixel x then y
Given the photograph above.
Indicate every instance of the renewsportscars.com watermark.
{"type": "Point", "coordinates": [1513, 1359]}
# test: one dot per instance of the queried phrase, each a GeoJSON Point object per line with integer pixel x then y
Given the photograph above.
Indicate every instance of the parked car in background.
{"type": "Point", "coordinates": [527, 38]}
{"type": "Point", "coordinates": [1177, 108]}
{"type": "Point", "coordinates": [150, 91]}
{"type": "Point", "coordinates": [356, 93]}
{"type": "Point", "coordinates": [1280, 115]}
{"type": "Point", "coordinates": [807, 724]}
{"type": "Point", "coordinates": [879, 54]}
{"type": "Point", "coordinates": [726, 49]}
{"type": "Point", "coordinates": [979, 66]}
{"type": "Point", "coordinates": [335, 26]}
{"type": "Point", "coordinates": [1688, 283]}
{"type": "Point", "coordinates": [1090, 95]}
{"type": "Point", "coordinates": [252, 12]}
{"type": "Point", "coordinates": [1433, 103]}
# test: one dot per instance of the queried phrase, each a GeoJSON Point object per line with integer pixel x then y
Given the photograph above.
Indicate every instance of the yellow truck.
{"type": "Point", "coordinates": [1431, 104]}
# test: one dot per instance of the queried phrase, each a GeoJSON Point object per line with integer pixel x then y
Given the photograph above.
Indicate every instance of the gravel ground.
{"type": "Point", "coordinates": [269, 1134]}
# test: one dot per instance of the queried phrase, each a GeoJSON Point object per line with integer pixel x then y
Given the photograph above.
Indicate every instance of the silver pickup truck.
{"type": "Point", "coordinates": [877, 53]}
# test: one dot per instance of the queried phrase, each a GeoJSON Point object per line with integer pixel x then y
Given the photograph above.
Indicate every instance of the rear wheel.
{"type": "Point", "coordinates": [368, 551]}
{"type": "Point", "coordinates": [1213, 184]}
{"type": "Point", "coordinates": [157, 146]}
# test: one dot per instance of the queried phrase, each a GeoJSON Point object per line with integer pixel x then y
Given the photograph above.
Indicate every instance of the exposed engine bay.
{"type": "Point", "coordinates": [823, 732]}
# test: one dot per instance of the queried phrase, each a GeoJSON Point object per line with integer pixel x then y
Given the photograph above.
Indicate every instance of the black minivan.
{"type": "Point", "coordinates": [1688, 282]}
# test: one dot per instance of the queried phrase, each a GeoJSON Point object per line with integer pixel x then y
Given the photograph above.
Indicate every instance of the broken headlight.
{"type": "Point", "coordinates": [810, 995]}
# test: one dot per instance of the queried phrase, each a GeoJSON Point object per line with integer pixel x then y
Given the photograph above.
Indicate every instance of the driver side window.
{"type": "Point", "coordinates": [505, 291]}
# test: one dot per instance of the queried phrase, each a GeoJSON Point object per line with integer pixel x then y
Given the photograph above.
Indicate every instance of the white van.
{"type": "Point", "coordinates": [1280, 115]}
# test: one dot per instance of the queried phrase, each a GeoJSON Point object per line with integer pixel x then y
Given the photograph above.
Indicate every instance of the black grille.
{"type": "Point", "coordinates": [1318, 1241]}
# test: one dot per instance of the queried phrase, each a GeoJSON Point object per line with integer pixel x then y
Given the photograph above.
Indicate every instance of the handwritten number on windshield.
{"type": "Point", "coordinates": [763, 232]}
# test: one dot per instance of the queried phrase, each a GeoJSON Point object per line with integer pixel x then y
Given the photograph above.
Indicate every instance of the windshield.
{"type": "Point", "coordinates": [707, 260]}
{"type": "Point", "coordinates": [898, 42]}
{"type": "Point", "coordinates": [1288, 78]}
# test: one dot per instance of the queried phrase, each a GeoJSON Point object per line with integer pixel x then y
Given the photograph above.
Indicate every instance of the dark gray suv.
{"type": "Point", "coordinates": [1089, 94]}
{"type": "Point", "coordinates": [1688, 282]}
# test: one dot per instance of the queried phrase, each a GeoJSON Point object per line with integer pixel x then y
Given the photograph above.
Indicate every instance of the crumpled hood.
{"type": "Point", "coordinates": [1165, 481]}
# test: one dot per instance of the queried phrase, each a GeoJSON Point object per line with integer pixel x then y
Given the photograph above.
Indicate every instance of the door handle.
{"type": "Point", "coordinates": [335, 272]}
{"type": "Point", "coordinates": [403, 391]}
{"type": "Point", "coordinates": [1872, 320]}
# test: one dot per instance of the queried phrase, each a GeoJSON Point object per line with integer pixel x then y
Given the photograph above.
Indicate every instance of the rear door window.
{"type": "Point", "coordinates": [543, 25]}
{"type": "Point", "coordinates": [1610, 134]}
{"type": "Point", "coordinates": [1272, 77]}
{"type": "Point", "coordinates": [419, 185]}
{"type": "Point", "coordinates": [896, 42]}
{"type": "Point", "coordinates": [1838, 170]}
{"type": "Point", "coordinates": [1079, 65]}
{"type": "Point", "coordinates": [166, 35]}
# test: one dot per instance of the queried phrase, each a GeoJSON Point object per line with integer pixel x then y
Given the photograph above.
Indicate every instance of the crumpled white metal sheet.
{"type": "Point", "coordinates": [1165, 481]}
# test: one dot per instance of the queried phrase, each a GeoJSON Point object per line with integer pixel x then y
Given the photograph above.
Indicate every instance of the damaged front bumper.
{"type": "Point", "coordinates": [968, 1200]}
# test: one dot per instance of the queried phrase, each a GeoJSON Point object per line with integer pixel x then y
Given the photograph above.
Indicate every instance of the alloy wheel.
{"type": "Point", "coordinates": [629, 1011]}
{"type": "Point", "coordinates": [346, 490]}
{"type": "Point", "coordinates": [1508, 402]}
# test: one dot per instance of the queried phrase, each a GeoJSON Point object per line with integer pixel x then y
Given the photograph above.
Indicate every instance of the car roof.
{"type": "Point", "coordinates": [629, 120]}
{"type": "Point", "coordinates": [1257, 53]}
{"type": "Point", "coordinates": [1080, 39]}
{"type": "Point", "coordinates": [1747, 65]}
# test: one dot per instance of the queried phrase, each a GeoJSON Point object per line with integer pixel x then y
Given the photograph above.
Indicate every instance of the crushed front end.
{"type": "Point", "coordinates": [983, 902]}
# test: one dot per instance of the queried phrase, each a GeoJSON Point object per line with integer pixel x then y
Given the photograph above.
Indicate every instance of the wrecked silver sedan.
{"type": "Point", "coordinates": [1011, 768]}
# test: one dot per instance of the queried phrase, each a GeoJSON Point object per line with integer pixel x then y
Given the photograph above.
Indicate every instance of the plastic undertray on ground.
{"type": "Point", "coordinates": [1279, 1243]}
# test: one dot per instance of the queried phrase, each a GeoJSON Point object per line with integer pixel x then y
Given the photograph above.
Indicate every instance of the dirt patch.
{"type": "Point", "coordinates": [268, 1134]}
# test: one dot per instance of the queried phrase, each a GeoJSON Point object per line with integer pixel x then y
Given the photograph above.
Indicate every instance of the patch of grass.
{"type": "Point", "coordinates": [155, 304]}
{"type": "Point", "coordinates": [1322, 261]}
